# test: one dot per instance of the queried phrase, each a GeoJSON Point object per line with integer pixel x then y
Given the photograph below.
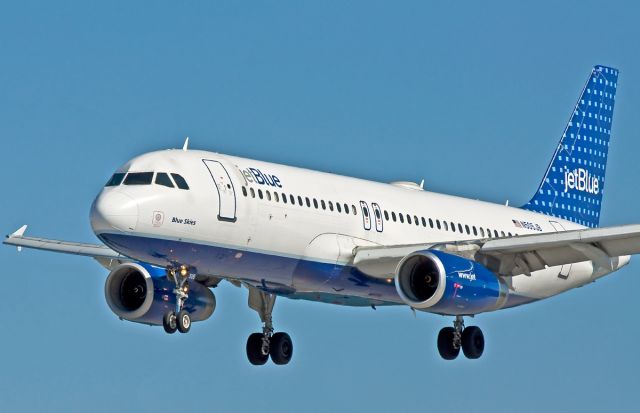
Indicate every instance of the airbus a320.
{"type": "Point", "coordinates": [173, 224]}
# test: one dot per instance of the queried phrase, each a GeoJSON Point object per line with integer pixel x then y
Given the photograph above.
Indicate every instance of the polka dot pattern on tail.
{"type": "Point", "coordinates": [573, 184]}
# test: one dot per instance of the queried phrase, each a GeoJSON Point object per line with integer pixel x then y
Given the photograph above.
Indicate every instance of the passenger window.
{"type": "Point", "coordinates": [430, 223]}
{"type": "Point", "coordinates": [244, 190]}
{"type": "Point", "coordinates": [496, 233]}
{"type": "Point", "coordinates": [116, 179]}
{"type": "Point", "coordinates": [401, 218]}
{"type": "Point", "coordinates": [292, 199]}
{"type": "Point", "coordinates": [324, 206]}
{"type": "Point", "coordinates": [386, 215]}
{"type": "Point", "coordinates": [354, 210]}
{"type": "Point", "coordinates": [460, 228]}
{"type": "Point", "coordinates": [415, 220]}
{"type": "Point", "coordinates": [338, 206]}
{"type": "Point", "coordinates": [510, 234]}
{"type": "Point", "coordinates": [330, 206]}
{"type": "Point", "coordinates": [424, 223]}
{"type": "Point", "coordinates": [444, 224]}
{"type": "Point", "coordinates": [346, 208]}
{"type": "Point", "coordinates": [482, 232]}
{"type": "Point", "coordinates": [466, 228]}
{"type": "Point", "coordinates": [475, 231]}
{"type": "Point", "coordinates": [315, 203]}
{"type": "Point", "coordinates": [180, 182]}
{"type": "Point", "coordinates": [260, 193]}
{"type": "Point", "coordinates": [438, 223]}
{"type": "Point", "coordinates": [453, 227]}
{"type": "Point", "coordinates": [284, 197]}
{"type": "Point", "coordinates": [502, 233]}
{"type": "Point", "coordinates": [308, 201]}
{"type": "Point", "coordinates": [139, 178]}
{"type": "Point", "coordinates": [268, 195]}
{"type": "Point", "coordinates": [300, 200]}
{"type": "Point", "coordinates": [408, 219]}
{"type": "Point", "coordinates": [393, 216]}
{"type": "Point", "coordinates": [253, 192]}
{"type": "Point", "coordinates": [275, 197]}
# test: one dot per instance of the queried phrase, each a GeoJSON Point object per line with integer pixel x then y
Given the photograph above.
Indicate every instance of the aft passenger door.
{"type": "Point", "coordinates": [225, 188]}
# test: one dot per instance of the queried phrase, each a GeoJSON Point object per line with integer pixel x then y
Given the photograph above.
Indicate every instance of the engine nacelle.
{"type": "Point", "coordinates": [443, 283]}
{"type": "Point", "coordinates": [142, 293]}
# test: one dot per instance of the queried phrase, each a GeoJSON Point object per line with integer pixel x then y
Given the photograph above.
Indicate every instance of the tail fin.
{"type": "Point", "coordinates": [573, 185]}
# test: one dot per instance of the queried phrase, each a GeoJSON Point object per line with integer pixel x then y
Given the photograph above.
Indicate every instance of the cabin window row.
{"type": "Point", "coordinates": [340, 207]}
{"type": "Point", "coordinates": [444, 225]}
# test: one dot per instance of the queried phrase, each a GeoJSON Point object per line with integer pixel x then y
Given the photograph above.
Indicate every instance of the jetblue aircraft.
{"type": "Point", "coordinates": [176, 223]}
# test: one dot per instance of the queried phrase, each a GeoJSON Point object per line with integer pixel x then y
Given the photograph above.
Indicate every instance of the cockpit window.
{"type": "Point", "coordinates": [182, 184]}
{"type": "Point", "coordinates": [163, 179]}
{"type": "Point", "coordinates": [139, 178]}
{"type": "Point", "coordinates": [116, 179]}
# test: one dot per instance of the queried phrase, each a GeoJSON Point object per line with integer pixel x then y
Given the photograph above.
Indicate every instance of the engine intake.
{"type": "Point", "coordinates": [443, 283]}
{"type": "Point", "coordinates": [143, 294]}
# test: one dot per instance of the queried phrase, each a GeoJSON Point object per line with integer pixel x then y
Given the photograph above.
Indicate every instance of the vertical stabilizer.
{"type": "Point", "coordinates": [573, 184]}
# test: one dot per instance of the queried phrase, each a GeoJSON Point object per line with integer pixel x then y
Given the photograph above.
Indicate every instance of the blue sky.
{"type": "Point", "coordinates": [471, 97]}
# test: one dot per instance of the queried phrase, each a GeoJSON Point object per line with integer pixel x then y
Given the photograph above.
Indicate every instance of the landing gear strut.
{"type": "Point", "coordinates": [262, 345]}
{"type": "Point", "coordinates": [179, 319]}
{"type": "Point", "coordinates": [452, 339]}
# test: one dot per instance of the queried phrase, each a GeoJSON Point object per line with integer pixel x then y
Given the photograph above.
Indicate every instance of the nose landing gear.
{"type": "Point", "coordinates": [452, 339]}
{"type": "Point", "coordinates": [179, 319]}
{"type": "Point", "coordinates": [262, 345]}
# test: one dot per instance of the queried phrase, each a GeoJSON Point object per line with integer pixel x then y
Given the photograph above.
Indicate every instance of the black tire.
{"type": "Point", "coordinates": [254, 350]}
{"type": "Point", "coordinates": [445, 344]}
{"type": "Point", "coordinates": [472, 342]}
{"type": "Point", "coordinates": [184, 321]}
{"type": "Point", "coordinates": [281, 348]}
{"type": "Point", "coordinates": [169, 322]}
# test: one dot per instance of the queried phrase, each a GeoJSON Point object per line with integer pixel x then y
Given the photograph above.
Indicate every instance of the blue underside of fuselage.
{"type": "Point", "coordinates": [292, 277]}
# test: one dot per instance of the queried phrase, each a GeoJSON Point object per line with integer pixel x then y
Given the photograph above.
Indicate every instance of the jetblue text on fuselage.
{"type": "Point", "coordinates": [581, 180]}
{"type": "Point", "coordinates": [259, 177]}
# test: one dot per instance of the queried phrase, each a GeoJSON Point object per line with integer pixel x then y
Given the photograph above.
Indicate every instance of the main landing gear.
{"type": "Point", "coordinates": [452, 339]}
{"type": "Point", "coordinates": [179, 319]}
{"type": "Point", "coordinates": [262, 345]}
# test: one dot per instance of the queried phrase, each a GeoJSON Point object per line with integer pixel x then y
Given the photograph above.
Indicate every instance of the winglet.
{"type": "Point", "coordinates": [19, 233]}
{"type": "Point", "coordinates": [186, 144]}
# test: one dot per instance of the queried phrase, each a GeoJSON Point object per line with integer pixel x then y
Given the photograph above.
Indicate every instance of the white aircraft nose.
{"type": "Point", "coordinates": [113, 209]}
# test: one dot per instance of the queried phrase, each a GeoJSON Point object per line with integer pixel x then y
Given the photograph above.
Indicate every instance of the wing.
{"type": "Point", "coordinates": [516, 255]}
{"type": "Point", "coordinates": [103, 254]}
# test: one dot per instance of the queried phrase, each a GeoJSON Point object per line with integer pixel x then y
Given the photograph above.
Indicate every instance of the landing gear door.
{"type": "Point", "coordinates": [565, 269]}
{"type": "Point", "coordinates": [225, 188]}
{"type": "Point", "coordinates": [377, 215]}
{"type": "Point", "coordinates": [366, 215]}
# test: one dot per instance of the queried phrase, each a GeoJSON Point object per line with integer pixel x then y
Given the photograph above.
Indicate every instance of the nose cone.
{"type": "Point", "coordinates": [113, 209]}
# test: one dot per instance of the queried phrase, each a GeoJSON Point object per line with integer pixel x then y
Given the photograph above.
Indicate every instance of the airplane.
{"type": "Point", "coordinates": [175, 223]}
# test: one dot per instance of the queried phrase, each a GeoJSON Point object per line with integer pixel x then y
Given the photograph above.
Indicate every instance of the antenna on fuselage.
{"type": "Point", "coordinates": [186, 144]}
{"type": "Point", "coordinates": [422, 184]}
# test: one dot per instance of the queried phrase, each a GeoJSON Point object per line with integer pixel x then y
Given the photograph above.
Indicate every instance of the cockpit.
{"type": "Point", "coordinates": [170, 180]}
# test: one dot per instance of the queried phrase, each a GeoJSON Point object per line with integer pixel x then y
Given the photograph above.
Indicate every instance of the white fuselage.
{"type": "Point", "coordinates": [238, 226]}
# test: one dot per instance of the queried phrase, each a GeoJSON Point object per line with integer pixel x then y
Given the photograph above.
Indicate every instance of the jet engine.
{"type": "Point", "coordinates": [143, 294]}
{"type": "Point", "coordinates": [443, 283]}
